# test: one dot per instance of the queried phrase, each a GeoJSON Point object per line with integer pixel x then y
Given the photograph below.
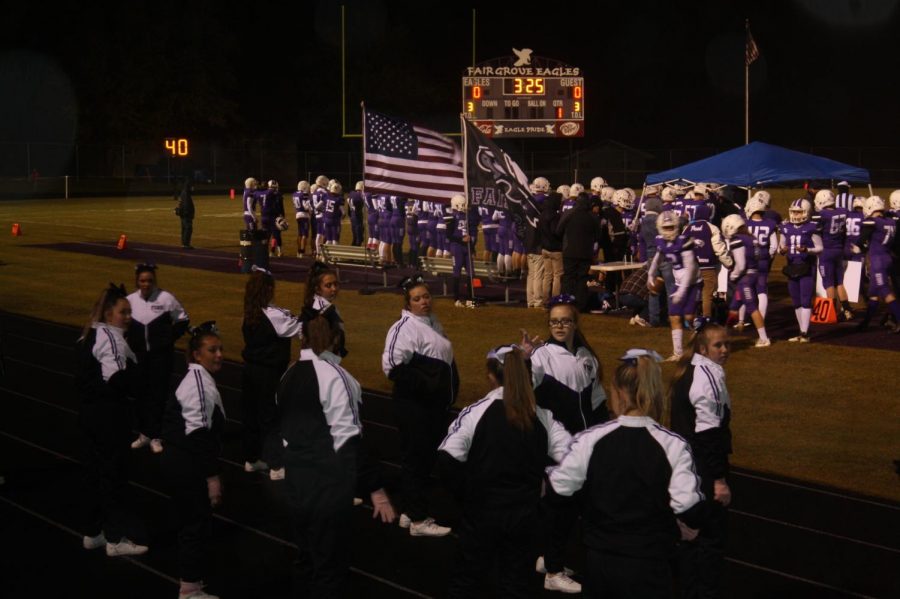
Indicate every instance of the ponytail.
{"type": "Point", "coordinates": [106, 301]}
{"type": "Point", "coordinates": [518, 394]}
{"type": "Point", "coordinates": [699, 339]}
{"type": "Point", "coordinates": [639, 382]}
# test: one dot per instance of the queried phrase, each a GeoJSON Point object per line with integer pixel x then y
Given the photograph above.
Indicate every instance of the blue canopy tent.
{"type": "Point", "coordinates": [759, 164]}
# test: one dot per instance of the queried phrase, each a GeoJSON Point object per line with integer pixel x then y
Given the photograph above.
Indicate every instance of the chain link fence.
{"type": "Point", "coordinates": [48, 168]}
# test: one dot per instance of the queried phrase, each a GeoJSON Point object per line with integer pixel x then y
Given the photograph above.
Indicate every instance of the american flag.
{"type": "Point", "coordinates": [410, 161]}
{"type": "Point", "coordinates": [751, 52]}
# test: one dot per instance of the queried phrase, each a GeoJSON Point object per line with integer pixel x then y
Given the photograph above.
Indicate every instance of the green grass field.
{"type": "Point", "coordinates": [808, 412]}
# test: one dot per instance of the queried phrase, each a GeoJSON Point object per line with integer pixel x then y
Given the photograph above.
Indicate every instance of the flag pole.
{"type": "Point", "coordinates": [365, 288]}
{"type": "Point", "coordinates": [470, 247]}
{"type": "Point", "coordinates": [746, 82]}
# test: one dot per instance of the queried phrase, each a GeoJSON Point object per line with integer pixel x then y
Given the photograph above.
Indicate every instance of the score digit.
{"type": "Point", "coordinates": [177, 147]}
{"type": "Point", "coordinates": [170, 146]}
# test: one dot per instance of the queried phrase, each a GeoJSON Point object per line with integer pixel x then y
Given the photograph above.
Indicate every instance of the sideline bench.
{"type": "Point", "coordinates": [353, 255]}
{"type": "Point", "coordinates": [443, 268]}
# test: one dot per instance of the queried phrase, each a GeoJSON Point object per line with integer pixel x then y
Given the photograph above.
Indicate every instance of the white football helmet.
{"type": "Point", "coordinates": [668, 194]}
{"type": "Point", "coordinates": [859, 203]}
{"type": "Point", "coordinates": [622, 200]}
{"type": "Point", "coordinates": [731, 224]}
{"type": "Point", "coordinates": [764, 196]}
{"type": "Point", "coordinates": [701, 189]}
{"type": "Point", "coordinates": [563, 190]}
{"type": "Point", "coordinates": [667, 225]}
{"type": "Point", "coordinates": [313, 188]}
{"type": "Point", "coordinates": [273, 184]}
{"type": "Point", "coordinates": [334, 186]}
{"type": "Point", "coordinates": [631, 193]}
{"type": "Point", "coordinates": [458, 202]}
{"type": "Point", "coordinates": [651, 190]}
{"type": "Point", "coordinates": [872, 205]}
{"type": "Point", "coordinates": [303, 186]}
{"type": "Point", "coordinates": [607, 193]}
{"type": "Point", "coordinates": [251, 183]}
{"type": "Point", "coordinates": [799, 211]}
{"type": "Point", "coordinates": [575, 189]}
{"type": "Point", "coordinates": [360, 186]}
{"type": "Point", "coordinates": [322, 181]}
{"type": "Point", "coordinates": [894, 199]}
{"type": "Point", "coordinates": [541, 185]}
{"type": "Point", "coordinates": [824, 199]}
{"type": "Point", "coordinates": [597, 183]}
{"type": "Point", "coordinates": [754, 205]}
{"type": "Point", "coordinates": [681, 190]}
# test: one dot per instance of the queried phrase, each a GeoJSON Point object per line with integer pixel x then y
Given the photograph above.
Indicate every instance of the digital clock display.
{"type": "Point", "coordinates": [177, 146]}
{"type": "Point", "coordinates": [524, 86]}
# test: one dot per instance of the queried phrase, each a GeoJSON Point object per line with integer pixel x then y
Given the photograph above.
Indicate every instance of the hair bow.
{"type": "Point", "coordinates": [145, 267]}
{"type": "Point", "coordinates": [633, 354]}
{"type": "Point", "coordinates": [207, 327]}
{"type": "Point", "coordinates": [409, 282]}
{"type": "Point", "coordinates": [499, 352]}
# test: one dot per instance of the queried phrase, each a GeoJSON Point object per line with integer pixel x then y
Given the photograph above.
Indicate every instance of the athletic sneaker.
{"type": "Point", "coordinates": [763, 343]}
{"type": "Point", "coordinates": [561, 582]}
{"type": "Point", "coordinates": [739, 327]}
{"type": "Point", "coordinates": [142, 441]}
{"type": "Point", "coordinates": [470, 304]}
{"type": "Point", "coordinates": [404, 521]}
{"type": "Point", "coordinates": [848, 314]}
{"type": "Point", "coordinates": [276, 474]}
{"type": "Point", "coordinates": [540, 568]}
{"type": "Point", "coordinates": [156, 446]}
{"type": "Point", "coordinates": [801, 338]}
{"type": "Point", "coordinates": [459, 304]}
{"type": "Point", "coordinates": [428, 528]}
{"type": "Point", "coordinates": [125, 547]}
{"type": "Point", "coordinates": [94, 542]}
{"type": "Point", "coordinates": [257, 466]}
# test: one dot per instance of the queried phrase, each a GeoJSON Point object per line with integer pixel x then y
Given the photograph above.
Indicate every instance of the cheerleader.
{"type": "Point", "coordinates": [877, 238]}
{"type": "Point", "coordinates": [745, 254]}
{"type": "Point", "coordinates": [418, 358]}
{"type": "Point", "coordinates": [801, 242]}
{"type": "Point", "coordinates": [302, 210]}
{"type": "Point", "coordinates": [701, 413]}
{"type": "Point", "coordinates": [325, 460]}
{"type": "Point", "coordinates": [566, 375]}
{"type": "Point", "coordinates": [267, 331]}
{"type": "Point", "coordinates": [677, 251]}
{"type": "Point", "coordinates": [103, 379]}
{"type": "Point", "coordinates": [194, 424]}
{"type": "Point", "coordinates": [493, 459]}
{"type": "Point", "coordinates": [639, 487]}
{"type": "Point", "coordinates": [157, 321]}
{"type": "Point", "coordinates": [322, 288]}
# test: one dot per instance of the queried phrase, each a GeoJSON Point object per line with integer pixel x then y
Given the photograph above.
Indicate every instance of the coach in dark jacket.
{"type": "Point", "coordinates": [185, 210]}
{"type": "Point", "coordinates": [580, 231]}
{"type": "Point", "coordinates": [551, 247]}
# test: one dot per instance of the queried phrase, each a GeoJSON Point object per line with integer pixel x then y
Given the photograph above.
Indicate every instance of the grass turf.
{"type": "Point", "coordinates": [812, 412]}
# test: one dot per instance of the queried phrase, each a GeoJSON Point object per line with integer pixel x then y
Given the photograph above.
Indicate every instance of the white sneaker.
{"type": "Point", "coordinates": [459, 304]}
{"type": "Point", "coordinates": [641, 322]}
{"type": "Point", "coordinates": [94, 542]}
{"type": "Point", "coordinates": [142, 441]}
{"type": "Point", "coordinates": [276, 474]}
{"type": "Point", "coordinates": [541, 569]}
{"type": "Point", "coordinates": [470, 304]}
{"type": "Point", "coordinates": [631, 321]}
{"type": "Point", "coordinates": [156, 446]}
{"type": "Point", "coordinates": [404, 521]}
{"type": "Point", "coordinates": [801, 338]}
{"type": "Point", "coordinates": [428, 528]}
{"type": "Point", "coordinates": [763, 343]}
{"type": "Point", "coordinates": [256, 466]}
{"type": "Point", "coordinates": [125, 547]}
{"type": "Point", "coordinates": [561, 582]}
{"type": "Point", "coordinates": [848, 315]}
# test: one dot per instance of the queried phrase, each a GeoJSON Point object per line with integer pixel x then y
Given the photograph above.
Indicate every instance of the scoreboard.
{"type": "Point", "coordinates": [514, 98]}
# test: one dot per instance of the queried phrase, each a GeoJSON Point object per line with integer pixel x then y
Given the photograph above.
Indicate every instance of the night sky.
{"type": "Point", "coordinates": [658, 74]}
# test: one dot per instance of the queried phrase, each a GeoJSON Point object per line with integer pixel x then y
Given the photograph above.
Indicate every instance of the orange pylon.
{"type": "Point", "coordinates": [16, 230]}
{"type": "Point", "coordinates": [123, 242]}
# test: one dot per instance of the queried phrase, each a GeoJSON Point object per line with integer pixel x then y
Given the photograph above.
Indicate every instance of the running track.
{"type": "Point", "coordinates": [788, 538]}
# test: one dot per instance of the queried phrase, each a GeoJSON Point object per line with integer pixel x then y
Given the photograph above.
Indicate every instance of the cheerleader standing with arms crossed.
{"type": "Point", "coordinates": [194, 423]}
{"type": "Point", "coordinates": [418, 358]}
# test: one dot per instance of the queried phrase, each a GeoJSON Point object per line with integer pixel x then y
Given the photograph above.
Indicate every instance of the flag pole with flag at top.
{"type": "Point", "coordinates": [471, 246]}
{"type": "Point", "coordinates": [751, 53]}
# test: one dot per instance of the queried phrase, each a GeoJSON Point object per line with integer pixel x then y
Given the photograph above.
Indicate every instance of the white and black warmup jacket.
{"type": "Point", "coordinates": [490, 465]}
{"type": "Point", "coordinates": [636, 477]}
{"type": "Point", "coordinates": [194, 420]}
{"type": "Point", "coordinates": [156, 322]}
{"type": "Point", "coordinates": [318, 403]}
{"type": "Point", "coordinates": [701, 413]}
{"type": "Point", "coordinates": [104, 358]}
{"type": "Point", "coordinates": [566, 384]}
{"type": "Point", "coordinates": [268, 343]}
{"type": "Point", "coordinates": [418, 358]}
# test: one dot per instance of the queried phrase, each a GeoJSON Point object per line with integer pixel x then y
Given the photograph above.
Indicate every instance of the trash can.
{"type": "Point", "coordinates": [254, 249]}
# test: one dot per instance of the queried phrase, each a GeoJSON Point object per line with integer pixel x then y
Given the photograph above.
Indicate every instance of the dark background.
{"type": "Point", "coordinates": [658, 74]}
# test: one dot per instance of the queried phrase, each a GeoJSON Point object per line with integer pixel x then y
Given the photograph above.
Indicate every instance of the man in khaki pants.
{"type": "Point", "coordinates": [551, 247]}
